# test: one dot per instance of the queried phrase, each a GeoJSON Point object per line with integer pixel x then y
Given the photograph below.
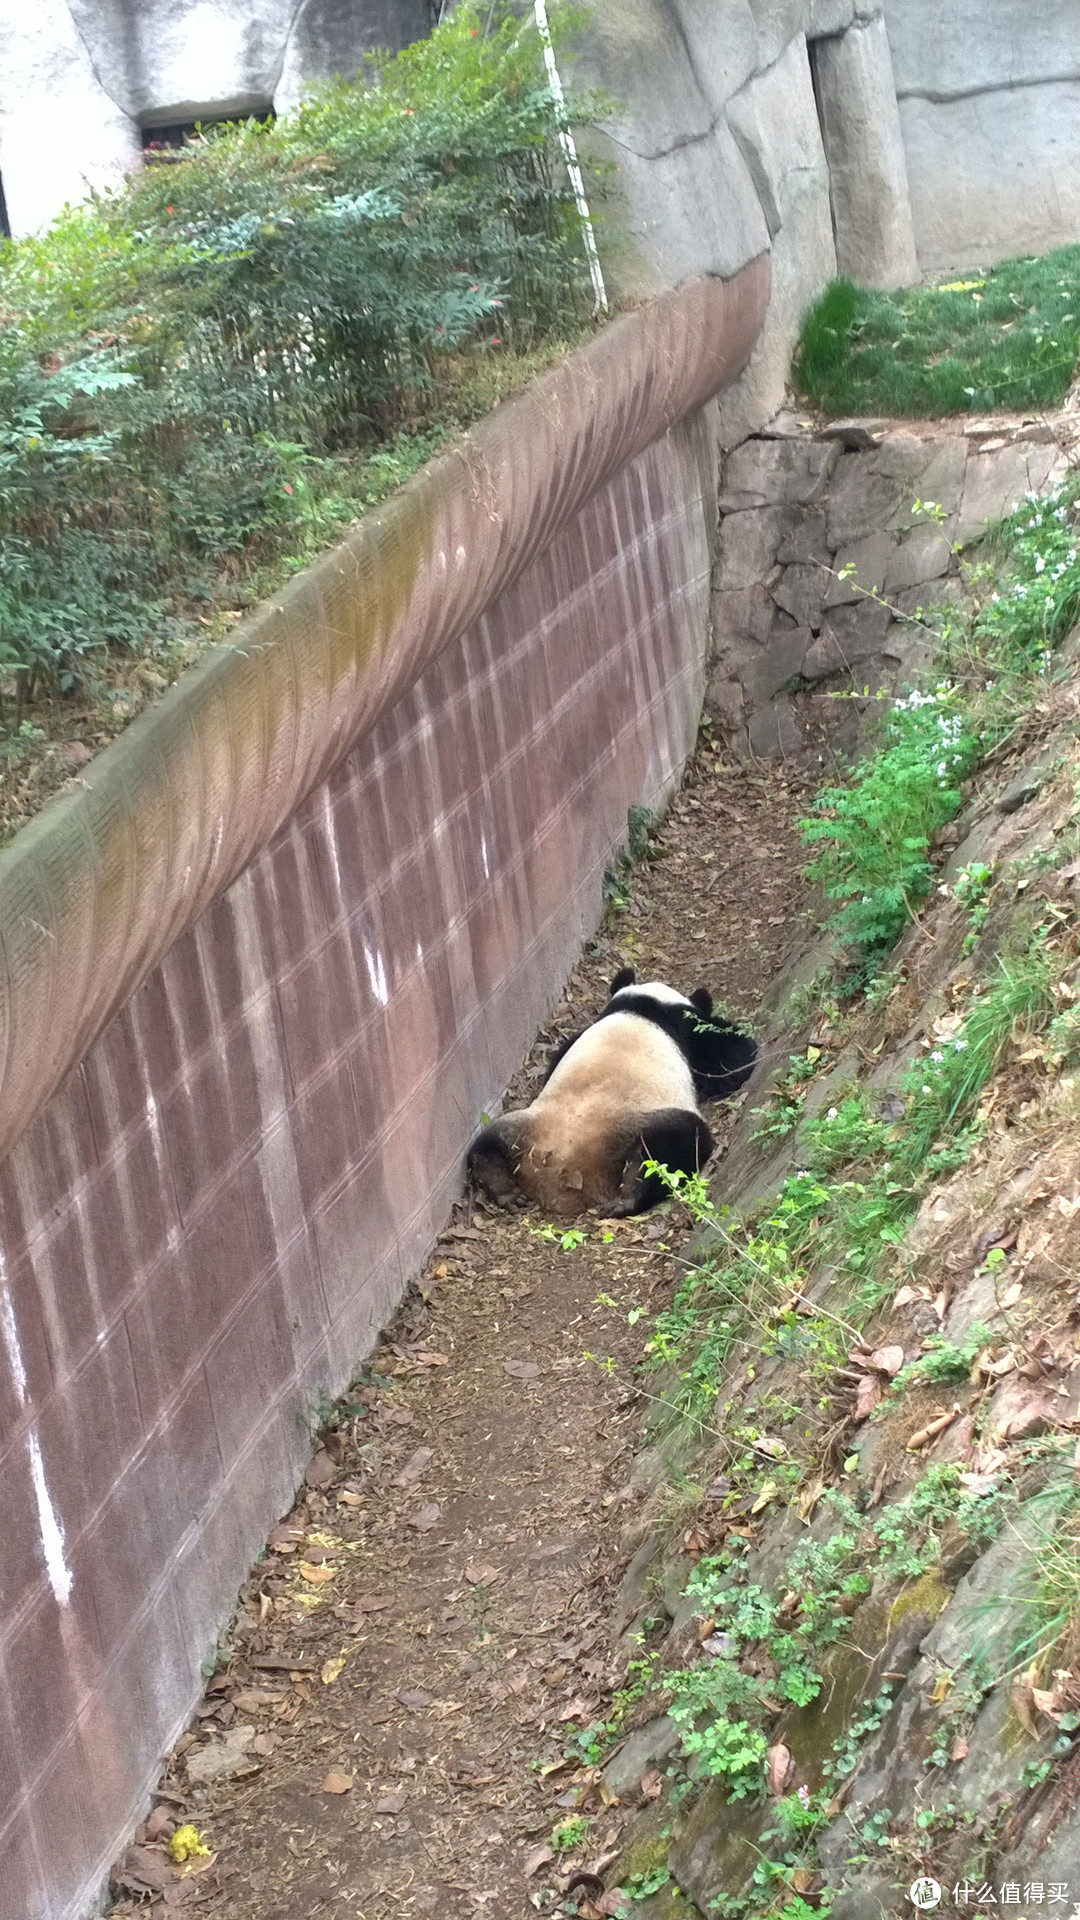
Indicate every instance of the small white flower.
{"type": "Point", "coordinates": [831, 1115]}
{"type": "Point", "coordinates": [1040, 563]}
{"type": "Point", "coordinates": [926, 1089]}
{"type": "Point", "coordinates": [959, 1045]}
{"type": "Point", "coordinates": [937, 1056]}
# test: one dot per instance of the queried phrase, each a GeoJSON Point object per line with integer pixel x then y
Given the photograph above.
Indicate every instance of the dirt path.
{"type": "Point", "coordinates": [433, 1623]}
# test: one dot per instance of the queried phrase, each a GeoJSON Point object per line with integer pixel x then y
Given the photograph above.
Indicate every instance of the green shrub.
{"type": "Point", "coordinates": [189, 367]}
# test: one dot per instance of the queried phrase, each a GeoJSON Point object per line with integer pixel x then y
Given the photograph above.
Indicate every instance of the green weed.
{"type": "Point", "coordinates": [943, 1090]}
{"type": "Point", "coordinates": [569, 1834]}
{"type": "Point", "coordinates": [972, 889]}
{"type": "Point", "coordinates": [874, 837]}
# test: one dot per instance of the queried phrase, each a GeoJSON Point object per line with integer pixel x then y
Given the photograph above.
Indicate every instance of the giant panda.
{"type": "Point", "coordinates": [623, 1092]}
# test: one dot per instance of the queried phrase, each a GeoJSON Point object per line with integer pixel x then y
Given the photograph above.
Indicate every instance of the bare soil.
{"type": "Point", "coordinates": [435, 1620]}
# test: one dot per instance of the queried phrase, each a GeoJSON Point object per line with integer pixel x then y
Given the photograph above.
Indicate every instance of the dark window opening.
{"type": "Point", "coordinates": [166, 142]}
{"type": "Point", "coordinates": [5, 223]}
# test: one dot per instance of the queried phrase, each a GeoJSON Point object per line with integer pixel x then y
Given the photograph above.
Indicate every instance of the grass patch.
{"type": "Point", "coordinates": [1006, 338]}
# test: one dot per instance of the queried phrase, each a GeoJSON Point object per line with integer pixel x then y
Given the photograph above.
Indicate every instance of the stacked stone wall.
{"type": "Point", "coordinates": [797, 513]}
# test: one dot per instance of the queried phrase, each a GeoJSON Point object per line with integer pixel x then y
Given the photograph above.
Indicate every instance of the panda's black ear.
{"type": "Point", "coordinates": [624, 978]}
{"type": "Point", "coordinates": [701, 998]}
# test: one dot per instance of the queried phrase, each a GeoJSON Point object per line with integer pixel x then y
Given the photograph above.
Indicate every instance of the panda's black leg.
{"type": "Point", "coordinates": [493, 1161]}
{"type": "Point", "coordinates": [676, 1139]}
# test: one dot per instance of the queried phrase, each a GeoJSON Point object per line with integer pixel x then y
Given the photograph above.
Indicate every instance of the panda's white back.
{"type": "Point", "coordinates": [624, 1064]}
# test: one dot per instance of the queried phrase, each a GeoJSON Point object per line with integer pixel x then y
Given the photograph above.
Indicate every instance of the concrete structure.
{"type": "Point", "coordinates": [83, 82]}
{"type": "Point", "coordinates": [989, 96]}
{"type": "Point", "coordinates": [880, 138]}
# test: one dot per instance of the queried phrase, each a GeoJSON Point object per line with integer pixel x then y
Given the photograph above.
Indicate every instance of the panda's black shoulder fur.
{"type": "Point", "coordinates": [719, 1056]}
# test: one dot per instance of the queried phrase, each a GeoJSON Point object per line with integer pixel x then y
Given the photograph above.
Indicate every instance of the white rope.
{"type": "Point", "coordinates": [566, 142]}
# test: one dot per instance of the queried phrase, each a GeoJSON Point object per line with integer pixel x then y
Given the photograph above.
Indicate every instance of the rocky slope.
{"type": "Point", "coordinates": [886, 1478]}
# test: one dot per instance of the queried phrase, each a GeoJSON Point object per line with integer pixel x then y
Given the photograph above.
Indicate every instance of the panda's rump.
{"type": "Point", "coordinates": [588, 1119]}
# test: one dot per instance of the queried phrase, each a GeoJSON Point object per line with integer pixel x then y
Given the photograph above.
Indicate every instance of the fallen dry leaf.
{"type": "Point", "coordinates": [522, 1369]}
{"type": "Point", "coordinates": [481, 1576]}
{"type": "Point", "coordinates": [887, 1360]}
{"type": "Point", "coordinates": [425, 1517]}
{"type": "Point", "coordinates": [257, 1700]}
{"type": "Point", "coordinates": [539, 1857]}
{"type": "Point", "coordinates": [143, 1870]}
{"type": "Point", "coordinates": [809, 1497]}
{"type": "Point", "coordinates": [651, 1785]}
{"type": "Point", "coordinates": [337, 1782]}
{"type": "Point", "coordinates": [904, 1297]}
{"type": "Point", "coordinates": [391, 1802]}
{"type": "Point", "coordinates": [1024, 1707]}
{"type": "Point", "coordinates": [996, 1369]}
{"type": "Point", "coordinates": [413, 1467]}
{"type": "Point", "coordinates": [315, 1576]}
{"type": "Point", "coordinates": [959, 1749]}
{"type": "Point", "coordinates": [320, 1471]}
{"type": "Point", "coordinates": [415, 1699]}
{"type": "Point", "coordinates": [285, 1539]}
{"type": "Point", "coordinates": [868, 1395]}
{"type": "Point", "coordinates": [779, 1767]}
{"type": "Point", "coordinates": [575, 1709]}
{"type": "Point", "coordinates": [330, 1669]}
